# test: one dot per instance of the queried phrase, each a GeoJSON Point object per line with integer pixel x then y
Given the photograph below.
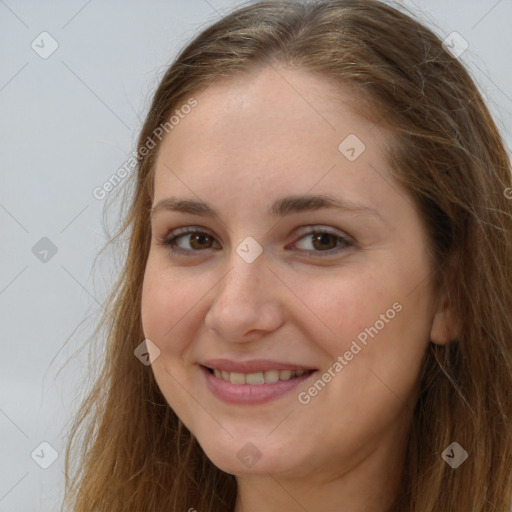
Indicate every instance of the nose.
{"type": "Point", "coordinates": [246, 304]}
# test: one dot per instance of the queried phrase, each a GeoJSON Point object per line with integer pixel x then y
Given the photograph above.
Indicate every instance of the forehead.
{"type": "Point", "coordinates": [270, 131]}
{"type": "Point", "coordinates": [267, 99]}
{"type": "Point", "coordinates": [265, 109]}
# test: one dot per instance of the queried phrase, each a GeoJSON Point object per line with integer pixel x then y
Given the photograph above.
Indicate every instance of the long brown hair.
{"type": "Point", "coordinates": [129, 449]}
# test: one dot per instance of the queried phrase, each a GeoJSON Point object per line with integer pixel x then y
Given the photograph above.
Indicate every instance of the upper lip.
{"type": "Point", "coordinates": [252, 366]}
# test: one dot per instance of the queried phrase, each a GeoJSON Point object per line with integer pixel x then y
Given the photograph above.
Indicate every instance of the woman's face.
{"type": "Point", "coordinates": [273, 286]}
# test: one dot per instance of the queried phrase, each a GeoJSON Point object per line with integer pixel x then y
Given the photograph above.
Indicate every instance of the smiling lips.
{"type": "Point", "coordinates": [252, 382]}
{"type": "Point", "coordinates": [257, 378]}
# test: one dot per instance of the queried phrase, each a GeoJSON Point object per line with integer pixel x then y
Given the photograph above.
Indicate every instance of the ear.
{"type": "Point", "coordinates": [445, 327]}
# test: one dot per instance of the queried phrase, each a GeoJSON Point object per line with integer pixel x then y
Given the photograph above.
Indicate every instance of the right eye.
{"type": "Point", "coordinates": [198, 241]}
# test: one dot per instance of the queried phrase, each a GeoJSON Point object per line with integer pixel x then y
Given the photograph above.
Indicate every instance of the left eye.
{"type": "Point", "coordinates": [322, 240]}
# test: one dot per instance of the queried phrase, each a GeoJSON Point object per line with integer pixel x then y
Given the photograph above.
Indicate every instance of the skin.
{"type": "Point", "coordinates": [247, 143]}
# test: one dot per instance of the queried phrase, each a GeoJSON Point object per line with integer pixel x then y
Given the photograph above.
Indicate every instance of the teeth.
{"type": "Point", "coordinates": [237, 378]}
{"type": "Point", "coordinates": [285, 375]}
{"type": "Point", "coordinates": [271, 376]}
{"type": "Point", "coordinates": [257, 378]}
{"type": "Point", "coordinates": [254, 378]}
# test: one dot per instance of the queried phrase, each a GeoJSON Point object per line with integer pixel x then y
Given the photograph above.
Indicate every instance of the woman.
{"type": "Point", "coordinates": [249, 368]}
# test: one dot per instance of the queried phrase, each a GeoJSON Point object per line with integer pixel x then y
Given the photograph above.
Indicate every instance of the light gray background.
{"type": "Point", "coordinates": [68, 122]}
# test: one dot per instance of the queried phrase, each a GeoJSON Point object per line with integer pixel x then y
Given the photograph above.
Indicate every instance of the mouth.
{"type": "Point", "coordinates": [257, 378]}
{"type": "Point", "coordinates": [254, 387]}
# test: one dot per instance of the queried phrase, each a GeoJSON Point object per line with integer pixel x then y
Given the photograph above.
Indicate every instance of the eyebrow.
{"type": "Point", "coordinates": [280, 208]}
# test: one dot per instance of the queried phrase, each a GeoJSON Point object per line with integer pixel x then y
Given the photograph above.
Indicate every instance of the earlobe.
{"type": "Point", "coordinates": [444, 324]}
{"type": "Point", "coordinates": [440, 332]}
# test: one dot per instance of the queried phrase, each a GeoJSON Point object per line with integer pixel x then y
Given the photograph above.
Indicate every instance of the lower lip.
{"type": "Point", "coordinates": [251, 394]}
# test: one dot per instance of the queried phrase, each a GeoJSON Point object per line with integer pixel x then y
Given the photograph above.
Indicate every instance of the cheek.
{"type": "Point", "coordinates": [166, 309]}
{"type": "Point", "coordinates": [380, 329]}
{"type": "Point", "coordinates": [341, 305]}
{"type": "Point", "coordinates": [377, 307]}
{"type": "Point", "coordinates": [167, 300]}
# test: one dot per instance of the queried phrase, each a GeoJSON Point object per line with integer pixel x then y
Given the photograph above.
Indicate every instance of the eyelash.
{"type": "Point", "coordinates": [170, 242]}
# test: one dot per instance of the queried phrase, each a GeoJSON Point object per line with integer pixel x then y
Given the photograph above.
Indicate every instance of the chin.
{"type": "Point", "coordinates": [240, 456]}
{"type": "Point", "coordinates": [247, 464]}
